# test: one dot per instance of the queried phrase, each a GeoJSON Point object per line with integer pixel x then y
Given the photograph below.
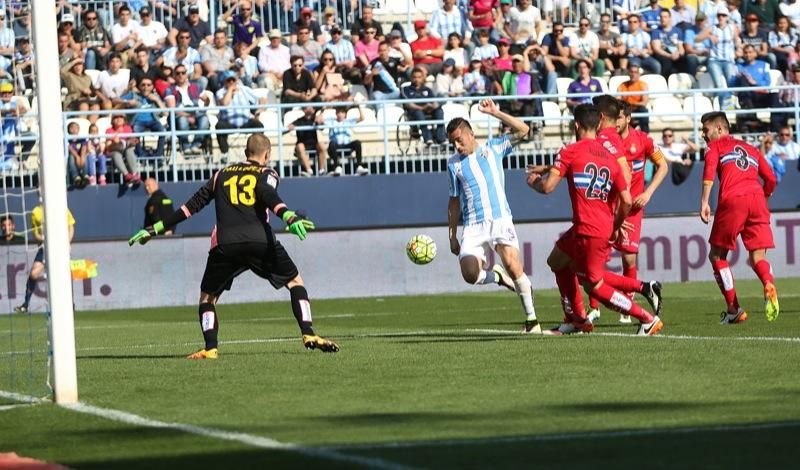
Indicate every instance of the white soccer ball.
{"type": "Point", "coordinates": [421, 249]}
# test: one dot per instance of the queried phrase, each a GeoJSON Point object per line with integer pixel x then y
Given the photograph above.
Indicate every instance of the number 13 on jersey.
{"type": "Point", "coordinates": [242, 189]}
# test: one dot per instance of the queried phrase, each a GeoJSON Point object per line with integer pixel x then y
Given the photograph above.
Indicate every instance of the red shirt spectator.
{"type": "Point", "coordinates": [481, 12]}
{"type": "Point", "coordinates": [426, 49]}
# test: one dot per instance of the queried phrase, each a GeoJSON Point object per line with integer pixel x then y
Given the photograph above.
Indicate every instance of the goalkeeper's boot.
{"type": "Point", "coordinates": [594, 315]}
{"type": "Point", "coordinates": [731, 318]}
{"type": "Point", "coordinates": [771, 306]}
{"type": "Point", "coordinates": [503, 278]}
{"type": "Point", "coordinates": [652, 292]}
{"type": "Point", "coordinates": [532, 327]}
{"type": "Point", "coordinates": [652, 328]}
{"type": "Point", "coordinates": [21, 309]}
{"type": "Point", "coordinates": [204, 354]}
{"type": "Point", "coordinates": [318, 342]}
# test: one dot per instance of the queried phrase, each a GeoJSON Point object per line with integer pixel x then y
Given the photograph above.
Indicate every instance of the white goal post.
{"type": "Point", "coordinates": [52, 175]}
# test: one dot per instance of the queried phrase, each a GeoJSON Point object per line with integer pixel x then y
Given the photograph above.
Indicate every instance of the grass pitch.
{"type": "Point", "coordinates": [425, 382]}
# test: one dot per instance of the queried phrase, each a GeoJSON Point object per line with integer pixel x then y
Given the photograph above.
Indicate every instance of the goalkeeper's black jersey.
{"type": "Point", "coordinates": [243, 194]}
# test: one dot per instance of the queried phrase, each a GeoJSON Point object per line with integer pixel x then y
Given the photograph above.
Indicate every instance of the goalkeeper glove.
{"type": "Point", "coordinates": [297, 224]}
{"type": "Point", "coordinates": [143, 235]}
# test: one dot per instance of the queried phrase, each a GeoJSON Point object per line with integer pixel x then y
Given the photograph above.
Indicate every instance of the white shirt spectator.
{"type": "Point", "coordinates": [119, 32]}
{"type": "Point", "coordinates": [792, 11]}
{"type": "Point", "coordinates": [523, 24]}
{"type": "Point", "coordinates": [584, 44]}
{"type": "Point", "coordinates": [152, 33]}
{"type": "Point", "coordinates": [113, 86]}
{"type": "Point", "coordinates": [274, 60]}
{"type": "Point", "coordinates": [789, 151]}
{"type": "Point", "coordinates": [192, 57]}
{"type": "Point", "coordinates": [675, 152]}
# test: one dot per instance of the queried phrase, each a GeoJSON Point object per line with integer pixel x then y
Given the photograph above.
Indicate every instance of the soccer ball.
{"type": "Point", "coordinates": [421, 249]}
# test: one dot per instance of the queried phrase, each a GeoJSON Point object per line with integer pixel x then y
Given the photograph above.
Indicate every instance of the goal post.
{"type": "Point", "coordinates": [54, 190]}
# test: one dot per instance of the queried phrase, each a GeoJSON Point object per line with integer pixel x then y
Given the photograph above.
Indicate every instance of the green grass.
{"type": "Point", "coordinates": [430, 381]}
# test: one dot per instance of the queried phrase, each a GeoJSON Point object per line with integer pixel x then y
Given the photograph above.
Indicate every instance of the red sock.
{"type": "Point", "coordinates": [631, 272]}
{"type": "Point", "coordinates": [593, 303]}
{"type": "Point", "coordinates": [571, 298]}
{"type": "Point", "coordinates": [764, 272]}
{"type": "Point", "coordinates": [622, 283]}
{"type": "Point", "coordinates": [619, 302]}
{"type": "Point", "coordinates": [724, 277]}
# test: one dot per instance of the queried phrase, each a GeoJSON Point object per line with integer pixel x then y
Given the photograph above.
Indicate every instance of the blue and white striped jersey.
{"type": "Point", "coordinates": [479, 182]}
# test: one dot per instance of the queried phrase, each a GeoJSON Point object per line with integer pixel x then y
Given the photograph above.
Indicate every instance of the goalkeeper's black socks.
{"type": "Point", "coordinates": [301, 308]}
{"type": "Point", "coordinates": [30, 286]}
{"type": "Point", "coordinates": [209, 324]}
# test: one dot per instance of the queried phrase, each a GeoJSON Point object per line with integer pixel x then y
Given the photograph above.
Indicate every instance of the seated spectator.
{"type": "Point", "coordinates": [584, 83]}
{"type": "Point", "coordinates": [245, 65]}
{"type": "Point", "coordinates": [189, 57]}
{"type": "Point", "coordinates": [121, 149]}
{"type": "Point", "coordinates": [448, 20]}
{"type": "Point", "coordinates": [556, 47]}
{"type": "Point", "coordinates": [722, 58]}
{"type": "Point", "coordinates": [306, 20]}
{"type": "Point", "coordinates": [709, 9]}
{"type": "Point", "coordinates": [683, 15]}
{"type": "Point", "coordinates": [298, 84]}
{"type": "Point", "coordinates": [638, 103]}
{"type": "Point", "coordinates": [12, 108]}
{"type": "Point", "coordinates": [651, 17]}
{"type": "Point", "coordinates": [427, 50]}
{"type": "Point", "coordinates": [65, 53]}
{"type": "Point", "coordinates": [124, 34]}
{"type": "Point", "coordinates": [98, 161]}
{"type": "Point", "coordinates": [697, 40]}
{"type": "Point", "coordinates": [144, 97]}
{"type": "Point", "coordinates": [94, 40]}
{"type": "Point", "coordinates": [401, 50]}
{"type": "Point", "coordinates": [521, 84]}
{"type": "Point", "coordinates": [305, 129]}
{"type": "Point", "coordinates": [449, 81]}
{"type": "Point", "coordinates": [185, 94]}
{"type": "Point", "coordinates": [791, 10]}
{"type": "Point", "coordinates": [785, 147]}
{"type": "Point", "coordinates": [273, 61]}
{"type": "Point", "coordinates": [420, 110]}
{"type": "Point", "coordinates": [751, 73]}
{"type": "Point", "coordinates": [367, 48]}
{"type": "Point", "coordinates": [8, 234]}
{"type": "Point", "coordinates": [485, 50]}
{"type": "Point", "coordinates": [366, 21]}
{"type": "Point", "coordinates": [782, 42]}
{"type": "Point", "coordinates": [611, 48]}
{"type": "Point", "coordinates": [786, 98]}
{"type": "Point", "coordinates": [667, 45]}
{"type": "Point", "coordinates": [542, 68]}
{"type": "Point", "coordinates": [307, 49]}
{"type": "Point", "coordinates": [481, 13]}
{"type": "Point", "coordinates": [383, 74]}
{"type": "Point", "coordinates": [502, 21]}
{"type": "Point", "coordinates": [236, 103]}
{"type": "Point", "coordinates": [342, 49]}
{"type": "Point", "coordinates": [66, 26]}
{"type": "Point", "coordinates": [455, 52]}
{"type": "Point", "coordinates": [777, 164]}
{"type": "Point", "coordinates": [77, 161]}
{"type": "Point", "coordinates": [753, 35]}
{"type": "Point", "coordinates": [165, 81]}
{"type": "Point", "coordinates": [584, 44]}
{"type": "Point", "coordinates": [735, 17]}
{"type": "Point", "coordinates": [525, 25]}
{"type": "Point", "coordinates": [502, 62]}
{"type": "Point", "coordinates": [198, 29]}
{"type": "Point", "coordinates": [637, 44]}
{"type": "Point", "coordinates": [678, 154]}
{"type": "Point", "coordinates": [768, 11]}
{"type": "Point", "coordinates": [476, 83]}
{"type": "Point", "coordinates": [81, 94]}
{"type": "Point", "coordinates": [217, 59]}
{"type": "Point", "coordinates": [623, 9]}
{"type": "Point", "coordinates": [111, 84]}
{"type": "Point", "coordinates": [143, 67]}
{"type": "Point", "coordinates": [23, 65]}
{"type": "Point", "coordinates": [328, 23]}
{"type": "Point", "coordinates": [245, 28]}
{"type": "Point", "coordinates": [153, 33]}
{"type": "Point", "coordinates": [329, 83]}
{"type": "Point", "coordinates": [340, 140]}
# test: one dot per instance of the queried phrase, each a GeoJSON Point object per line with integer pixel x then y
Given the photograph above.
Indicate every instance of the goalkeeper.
{"type": "Point", "coordinates": [243, 194]}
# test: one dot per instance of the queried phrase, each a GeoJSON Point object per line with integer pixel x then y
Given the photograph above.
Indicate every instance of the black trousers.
{"type": "Point", "coordinates": [222, 139]}
{"type": "Point", "coordinates": [352, 147]}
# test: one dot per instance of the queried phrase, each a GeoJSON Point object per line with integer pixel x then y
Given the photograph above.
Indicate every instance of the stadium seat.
{"type": "Point", "coordinates": [103, 124]}
{"type": "Point", "coordinates": [667, 105]}
{"type": "Point", "coordinates": [271, 122]}
{"type": "Point", "coordinates": [369, 124]}
{"type": "Point", "coordinates": [562, 84]}
{"type": "Point", "coordinates": [93, 74]}
{"type": "Point", "coordinates": [615, 81]}
{"type": "Point", "coordinates": [393, 114]}
{"type": "Point", "coordinates": [603, 83]}
{"type": "Point", "coordinates": [775, 79]}
{"type": "Point", "coordinates": [291, 116]}
{"type": "Point", "coordinates": [680, 81]}
{"type": "Point", "coordinates": [359, 93]}
{"type": "Point", "coordinates": [704, 81]}
{"type": "Point", "coordinates": [425, 6]}
{"type": "Point", "coordinates": [696, 105]}
{"type": "Point", "coordinates": [454, 110]}
{"type": "Point", "coordinates": [480, 119]}
{"type": "Point", "coordinates": [83, 125]}
{"type": "Point", "coordinates": [552, 114]}
{"type": "Point", "coordinates": [655, 83]}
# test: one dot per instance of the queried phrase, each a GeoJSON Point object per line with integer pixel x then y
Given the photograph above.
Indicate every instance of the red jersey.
{"type": "Point", "coordinates": [429, 43]}
{"type": "Point", "coordinates": [612, 142]}
{"type": "Point", "coordinates": [638, 146]}
{"type": "Point", "coordinates": [595, 178]}
{"type": "Point", "coordinates": [738, 165]}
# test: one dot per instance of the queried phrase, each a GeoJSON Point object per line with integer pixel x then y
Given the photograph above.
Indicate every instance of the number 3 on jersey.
{"type": "Point", "coordinates": [242, 189]}
{"type": "Point", "coordinates": [600, 182]}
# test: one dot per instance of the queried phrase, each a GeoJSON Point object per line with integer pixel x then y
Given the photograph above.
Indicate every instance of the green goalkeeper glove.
{"type": "Point", "coordinates": [297, 224]}
{"type": "Point", "coordinates": [143, 236]}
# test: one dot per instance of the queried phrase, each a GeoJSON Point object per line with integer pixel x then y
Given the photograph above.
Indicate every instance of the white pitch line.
{"type": "Point", "coordinates": [243, 438]}
{"type": "Point", "coordinates": [786, 339]}
{"type": "Point", "coordinates": [569, 436]}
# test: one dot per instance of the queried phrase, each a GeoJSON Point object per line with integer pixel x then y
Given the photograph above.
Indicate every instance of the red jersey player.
{"type": "Point", "coordinates": [742, 209]}
{"type": "Point", "coordinates": [637, 147]}
{"type": "Point", "coordinates": [595, 180]}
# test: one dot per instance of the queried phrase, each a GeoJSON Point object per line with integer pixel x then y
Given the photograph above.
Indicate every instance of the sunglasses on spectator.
{"type": "Point", "coordinates": [667, 136]}
{"type": "Point", "coordinates": [299, 64]}
{"type": "Point", "coordinates": [584, 24]}
{"type": "Point", "coordinates": [328, 59]}
{"type": "Point", "coordinates": [558, 31]}
{"type": "Point", "coordinates": [184, 37]}
{"type": "Point", "coordinates": [605, 21]}
{"type": "Point", "coordinates": [245, 9]}
{"type": "Point", "coordinates": [302, 32]}
{"type": "Point", "coordinates": [785, 134]}
{"type": "Point", "coordinates": [91, 18]}
{"type": "Point", "coordinates": [336, 33]}
{"type": "Point", "coordinates": [180, 72]}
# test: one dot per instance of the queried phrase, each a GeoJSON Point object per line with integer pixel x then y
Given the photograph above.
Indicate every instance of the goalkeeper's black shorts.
{"type": "Point", "coordinates": [224, 263]}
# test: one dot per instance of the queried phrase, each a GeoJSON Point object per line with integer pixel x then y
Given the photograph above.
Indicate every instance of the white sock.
{"type": "Point", "coordinates": [522, 286]}
{"type": "Point", "coordinates": [486, 277]}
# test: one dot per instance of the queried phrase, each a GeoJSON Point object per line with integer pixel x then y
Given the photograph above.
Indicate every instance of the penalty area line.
{"type": "Point", "coordinates": [243, 438]}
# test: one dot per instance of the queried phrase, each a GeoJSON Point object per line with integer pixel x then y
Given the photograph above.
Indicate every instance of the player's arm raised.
{"type": "Point", "coordinates": [519, 130]}
{"type": "Point", "coordinates": [544, 183]}
{"type": "Point", "coordinates": [662, 168]}
{"type": "Point", "coordinates": [453, 215]}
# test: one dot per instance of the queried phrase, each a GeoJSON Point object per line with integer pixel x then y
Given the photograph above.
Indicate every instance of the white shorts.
{"type": "Point", "coordinates": [476, 239]}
